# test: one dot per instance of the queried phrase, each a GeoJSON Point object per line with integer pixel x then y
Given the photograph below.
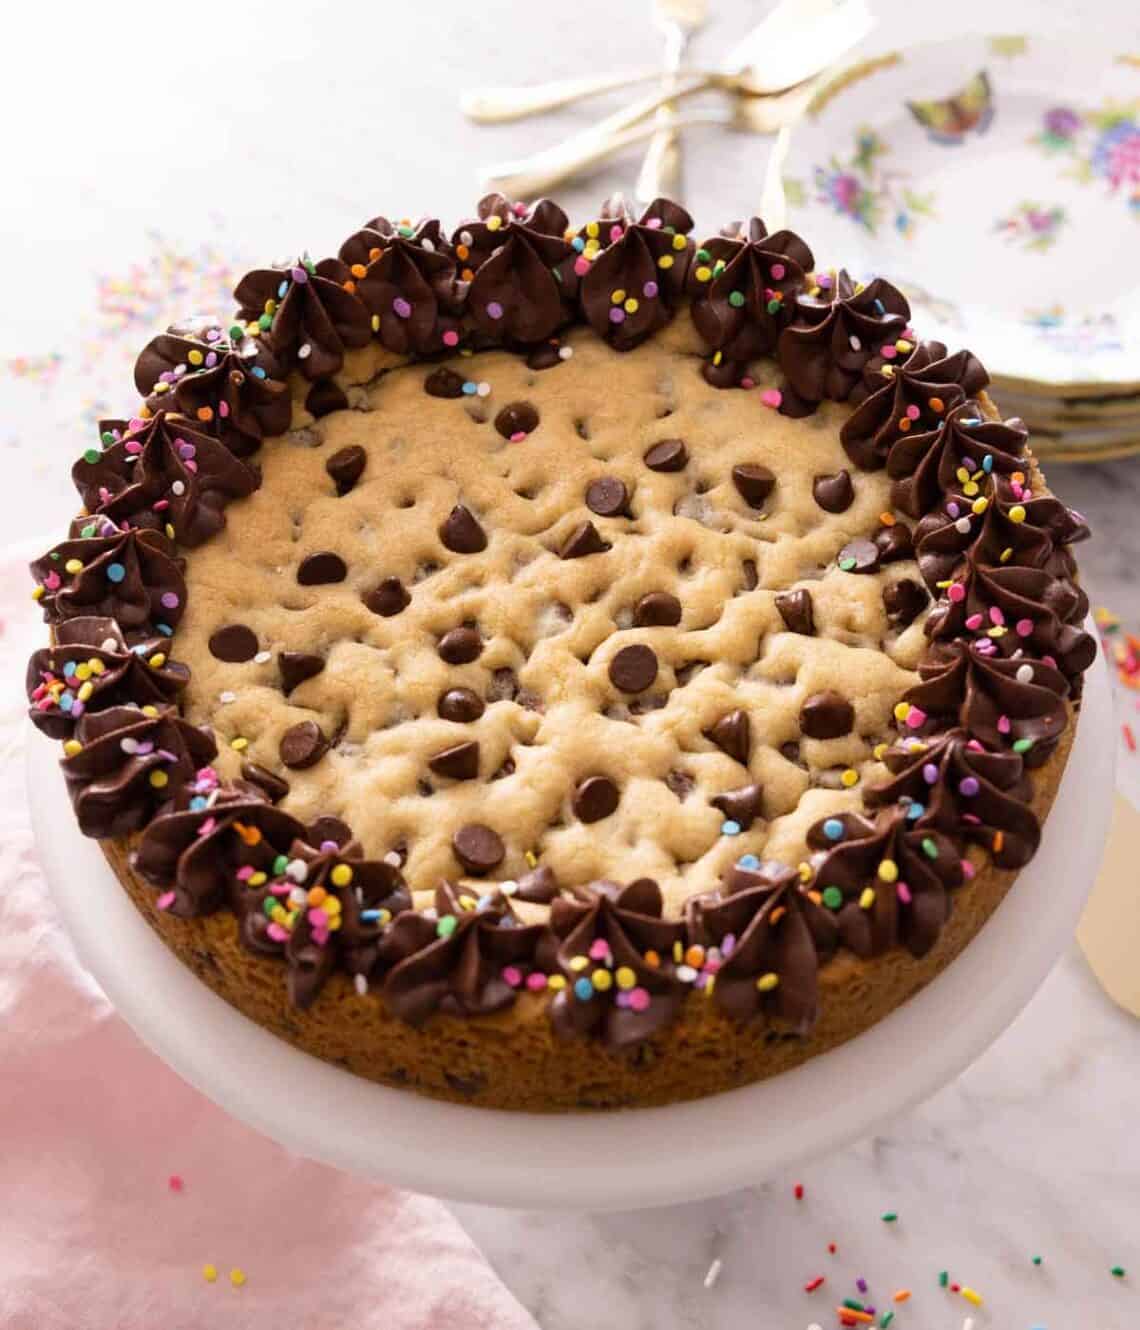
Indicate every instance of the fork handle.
{"type": "Point", "coordinates": [526, 181]}
{"type": "Point", "coordinates": [498, 105]}
{"type": "Point", "coordinates": [525, 177]}
{"type": "Point", "coordinates": [660, 174]}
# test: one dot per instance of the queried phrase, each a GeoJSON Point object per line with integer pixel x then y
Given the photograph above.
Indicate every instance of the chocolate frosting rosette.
{"type": "Point", "coordinates": [522, 284]}
{"type": "Point", "coordinates": [743, 285]}
{"type": "Point", "coordinates": [886, 879]}
{"type": "Point", "coordinates": [164, 474]}
{"type": "Point", "coordinates": [1014, 701]}
{"type": "Point", "coordinates": [837, 327]}
{"type": "Point", "coordinates": [964, 790]}
{"type": "Point", "coordinates": [308, 317]}
{"type": "Point", "coordinates": [960, 452]}
{"type": "Point", "coordinates": [123, 763]}
{"type": "Point", "coordinates": [771, 938]}
{"type": "Point", "coordinates": [133, 577]}
{"type": "Point", "coordinates": [226, 383]}
{"type": "Point", "coordinates": [914, 397]}
{"type": "Point", "coordinates": [89, 667]}
{"type": "Point", "coordinates": [616, 953]}
{"type": "Point", "coordinates": [405, 277]}
{"type": "Point", "coordinates": [1018, 611]}
{"type": "Point", "coordinates": [637, 274]}
{"type": "Point", "coordinates": [472, 959]}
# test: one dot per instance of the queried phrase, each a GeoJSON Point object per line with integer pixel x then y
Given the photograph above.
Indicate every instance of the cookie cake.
{"type": "Point", "coordinates": [556, 667]}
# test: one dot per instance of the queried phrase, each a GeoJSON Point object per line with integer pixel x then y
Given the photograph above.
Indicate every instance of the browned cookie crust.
{"type": "Point", "coordinates": [513, 1059]}
{"type": "Point", "coordinates": [578, 733]}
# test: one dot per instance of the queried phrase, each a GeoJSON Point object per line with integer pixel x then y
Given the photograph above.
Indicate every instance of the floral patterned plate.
{"type": "Point", "coordinates": [997, 181]}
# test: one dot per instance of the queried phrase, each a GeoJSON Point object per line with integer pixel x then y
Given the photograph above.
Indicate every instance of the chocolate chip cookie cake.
{"type": "Point", "coordinates": [559, 667]}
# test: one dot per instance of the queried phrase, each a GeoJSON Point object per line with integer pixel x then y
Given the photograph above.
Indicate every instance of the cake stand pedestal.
{"type": "Point", "coordinates": [619, 1160]}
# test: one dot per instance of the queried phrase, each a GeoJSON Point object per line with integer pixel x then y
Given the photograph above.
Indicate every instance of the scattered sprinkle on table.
{"type": "Point", "coordinates": [209, 1273]}
{"type": "Point", "coordinates": [237, 1277]}
{"type": "Point", "coordinates": [890, 1217]}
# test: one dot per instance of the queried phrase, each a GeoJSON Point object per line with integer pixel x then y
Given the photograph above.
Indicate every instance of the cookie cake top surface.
{"type": "Point", "coordinates": [470, 604]}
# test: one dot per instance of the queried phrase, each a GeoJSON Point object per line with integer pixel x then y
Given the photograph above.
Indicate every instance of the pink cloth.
{"type": "Point", "coordinates": [93, 1126]}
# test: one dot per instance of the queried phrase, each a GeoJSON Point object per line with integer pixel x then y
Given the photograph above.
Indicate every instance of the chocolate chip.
{"type": "Point", "coordinates": [583, 540]}
{"type": "Point", "coordinates": [657, 609]}
{"type": "Point", "coordinates": [303, 745]}
{"type": "Point", "coordinates": [469, 1086]}
{"type": "Point", "coordinates": [742, 805]}
{"type": "Point", "coordinates": [633, 668]}
{"type": "Point", "coordinates": [904, 601]}
{"type": "Point", "coordinates": [328, 828]}
{"type": "Point", "coordinates": [595, 798]}
{"type": "Point", "coordinates": [346, 466]}
{"type": "Point", "coordinates": [321, 568]}
{"type": "Point", "coordinates": [796, 611]}
{"type": "Point", "coordinates": [516, 418]}
{"type": "Point", "coordinates": [680, 783]}
{"type": "Point", "coordinates": [826, 715]}
{"type": "Point", "coordinates": [507, 769]}
{"type": "Point", "coordinates": [478, 848]}
{"type": "Point", "coordinates": [689, 669]}
{"type": "Point", "coordinates": [754, 482]}
{"type": "Point", "coordinates": [460, 704]}
{"type": "Point", "coordinates": [273, 787]}
{"type": "Point", "coordinates": [894, 542]}
{"type": "Point", "coordinates": [459, 762]}
{"type": "Point", "coordinates": [444, 382]}
{"type": "Point", "coordinates": [325, 397]}
{"type": "Point", "coordinates": [544, 357]}
{"type": "Point", "coordinates": [461, 531]}
{"type": "Point", "coordinates": [834, 493]}
{"type": "Point", "coordinates": [234, 643]}
{"type": "Point", "coordinates": [668, 455]}
{"type": "Point", "coordinates": [751, 576]}
{"type": "Point", "coordinates": [389, 598]}
{"type": "Point", "coordinates": [504, 685]}
{"type": "Point", "coordinates": [859, 556]}
{"type": "Point", "coordinates": [460, 646]}
{"type": "Point", "coordinates": [732, 734]}
{"type": "Point", "coordinates": [539, 886]}
{"type": "Point", "coordinates": [296, 667]}
{"type": "Point", "coordinates": [608, 497]}
{"type": "Point", "coordinates": [791, 752]}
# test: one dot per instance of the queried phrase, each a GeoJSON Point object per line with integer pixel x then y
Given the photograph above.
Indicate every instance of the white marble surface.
{"type": "Point", "coordinates": [1032, 1152]}
{"type": "Point", "coordinates": [278, 127]}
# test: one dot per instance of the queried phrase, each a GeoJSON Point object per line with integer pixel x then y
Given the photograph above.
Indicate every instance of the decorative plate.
{"type": "Point", "coordinates": [1003, 167]}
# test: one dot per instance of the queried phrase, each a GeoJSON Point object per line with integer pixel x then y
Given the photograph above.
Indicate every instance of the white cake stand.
{"type": "Point", "coordinates": [619, 1160]}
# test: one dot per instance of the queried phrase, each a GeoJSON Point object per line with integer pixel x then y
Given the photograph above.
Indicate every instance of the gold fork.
{"type": "Point", "coordinates": [763, 62]}
{"type": "Point", "coordinates": [777, 57]}
{"type": "Point", "coordinates": [749, 115]}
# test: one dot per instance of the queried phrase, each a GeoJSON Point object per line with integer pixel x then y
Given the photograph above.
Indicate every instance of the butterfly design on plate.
{"type": "Point", "coordinates": [950, 120]}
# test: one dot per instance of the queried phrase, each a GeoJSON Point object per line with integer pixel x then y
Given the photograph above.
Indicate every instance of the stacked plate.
{"type": "Point", "coordinates": [996, 180]}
